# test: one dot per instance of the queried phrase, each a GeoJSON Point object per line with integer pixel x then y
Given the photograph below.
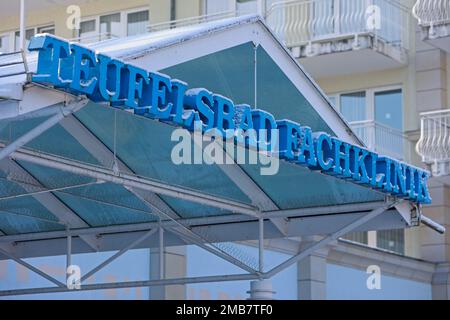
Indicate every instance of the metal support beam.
{"type": "Point", "coordinates": [133, 181]}
{"type": "Point", "coordinates": [69, 252]}
{"type": "Point", "coordinates": [32, 268]}
{"type": "Point", "coordinates": [41, 128]}
{"type": "Point", "coordinates": [22, 28]}
{"type": "Point", "coordinates": [134, 284]}
{"type": "Point", "coordinates": [250, 188]}
{"type": "Point", "coordinates": [319, 244]}
{"type": "Point", "coordinates": [191, 222]}
{"type": "Point", "coordinates": [105, 156]}
{"type": "Point", "coordinates": [117, 255]}
{"type": "Point", "coordinates": [161, 253]}
{"type": "Point", "coordinates": [190, 239]}
{"type": "Point", "coordinates": [261, 245]}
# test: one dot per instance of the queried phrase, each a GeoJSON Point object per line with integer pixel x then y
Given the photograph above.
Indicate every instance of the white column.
{"type": "Point", "coordinates": [312, 274]}
{"type": "Point", "coordinates": [22, 25]}
{"type": "Point", "coordinates": [174, 267]}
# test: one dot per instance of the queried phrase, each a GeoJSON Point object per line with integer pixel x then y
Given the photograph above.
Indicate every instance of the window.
{"type": "Point", "coordinates": [110, 26]}
{"type": "Point", "coordinates": [114, 25]}
{"type": "Point", "coordinates": [46, 29]}
{"type": "Point", "coordinates": [137, 22]}
{"type": "Point", "coordinates": [361, 237]}
{"type": "Point", "coordinates": [4, 43]}
{"type": "Point", "coordinates": [216, 6]}
{"type": "Point", "coordinates": [376, 117]}
{"type": "Point", "coordinates": [388, 108]}
{"type": "Point", "coordinates": [247, 6]}
{"type": "Point", "coordinates": [392, 240]}
{"type": "Point", "coordinates": [87, 30]}
{"type": "Point", "coordinates": [353, 106]}
{"type": "Point", "coordinates": [28, 35]}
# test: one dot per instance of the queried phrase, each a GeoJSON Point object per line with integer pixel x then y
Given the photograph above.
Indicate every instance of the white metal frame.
{"type": "Point", "coordinates": [252, 275]}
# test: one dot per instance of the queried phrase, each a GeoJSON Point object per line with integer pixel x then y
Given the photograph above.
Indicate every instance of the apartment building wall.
{"type": "Point", "coordinates": [160, 11]}
{"type": "Point", "coordinates": [425, 82]}
{"type": "Point", "coordinates": [433, 80]}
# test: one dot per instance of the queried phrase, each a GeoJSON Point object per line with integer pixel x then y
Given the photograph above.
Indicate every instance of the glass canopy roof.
{"type": "Point", "coordinates": [144, 145]}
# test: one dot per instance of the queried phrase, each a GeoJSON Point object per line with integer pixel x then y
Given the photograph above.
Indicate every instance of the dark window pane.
{"type": "Point", "coordinates": [360, 237]}
{"type": "Point", "coordinates": [87, 26]}
{"type": "Point", "coordinates": [392, 240]}
{"type": "Point", "coordinates": [110, 24]}
{"type": "Point", "coordinates": [138, 22]}
{"type": "Point", "coordinates": [388, 109]}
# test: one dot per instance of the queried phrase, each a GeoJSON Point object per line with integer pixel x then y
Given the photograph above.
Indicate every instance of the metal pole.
{"type": "Point", "coordinates": [133, 284]}
{"type": "Point", "coordinates": [261, 245]}
{"type": "Point", "coordinates": [22, 26]}
{"type": "Point", "coordinates": [319, 244]}
{"type": "Point", "coordinates": [161, 253]}
{"type": "Point", "coordinates": [431, 224]}
{"type": "Point", "coordinates": [69, 252]}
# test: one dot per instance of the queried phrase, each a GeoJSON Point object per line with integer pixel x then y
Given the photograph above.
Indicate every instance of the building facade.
{"type": "Point", "coordinates": [383, 64]}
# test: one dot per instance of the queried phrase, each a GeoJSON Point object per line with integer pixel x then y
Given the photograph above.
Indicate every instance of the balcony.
{"type": "Point", "coordinates": [434, 143]}
{"type": "Point", "coordinates": [434, 20]}
{"type": "Point", "coordinates": [382, 139]}
{"type": "Point", "coordinates": [338, 37]}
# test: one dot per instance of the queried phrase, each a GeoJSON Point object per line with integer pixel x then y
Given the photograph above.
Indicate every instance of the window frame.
{"type": "Point", "coordinates": [10, 40]}
{"type": "Point", "coordinates": [12, 34]}
{"type": "Point", "coordinates": [370, 98]}
{"type": "Point", "coordinates": [136, 10]}
{"type": "Point", "coordinates": [123, 20]}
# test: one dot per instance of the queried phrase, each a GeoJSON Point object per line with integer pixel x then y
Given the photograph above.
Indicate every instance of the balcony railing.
{"type": "Point", "coordinates": [382, 139]}
{"type": "Point", "coordinates": [434, 143]}
{"type": "Point", "coordinates": [432, 12]}
{"type": "Point", "coordinates": [190, 21]}
{"type": "Point", "coordinates": [93, 38]}
{"type": "Point", "coordinates": [300, 22]}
